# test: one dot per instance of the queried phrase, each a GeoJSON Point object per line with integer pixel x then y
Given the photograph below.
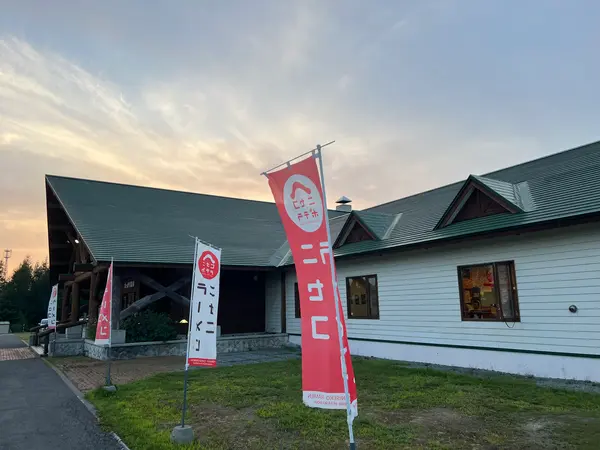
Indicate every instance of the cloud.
{"type": "Point", "coordinates": [208, 115]}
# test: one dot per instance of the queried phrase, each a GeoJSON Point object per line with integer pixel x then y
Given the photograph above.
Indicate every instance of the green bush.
{"type": "Point", "coordinates": [149, 326]}
{"type": "Point", "coordinates": [90, 331]}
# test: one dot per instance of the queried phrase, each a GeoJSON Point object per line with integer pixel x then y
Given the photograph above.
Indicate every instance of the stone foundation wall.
{"type": "Point", "coordinates": [65, 347]}
{"type": "Point", "coordinates": [225, 344]}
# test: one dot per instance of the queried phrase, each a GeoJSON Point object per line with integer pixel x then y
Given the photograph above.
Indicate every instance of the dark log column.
{"type": "Point", "coordinates": [93, 304]}
{"type": "Point", "coordinates": [75, 302]}
{"type": "Point", "coordinates": [116, 302]}
{"type": "Point", "coordinates": [283, 304]}
{"type": "Point", "coordinates": [64, 311]}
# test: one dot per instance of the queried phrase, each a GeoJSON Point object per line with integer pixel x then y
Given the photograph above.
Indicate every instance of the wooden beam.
{"type": "Point", "coordinates": [60, 246]}
{"type": "Point", "coordinates": [60, 262]}
{"type": "Point", "coordinates": [100, 268]}
{"type": "Point", "coordinates": [79, 278]}
{"type": "Point", "coordinates": [83, 267]}
{"type": "Point", "coordinates": [146, 301]}
{"type": "Point", "coordinates": [144, 279]}
{"type": "Point", "coordinates": [116, 302]}
{"type": "Point", "coordinates": [66, 277]}
{"type": "Point", "coordinates": [93, 304]}
{"type": "Point", "coordinates": [64, 312]}
{"type": "Point", "coordinates": [75, 302]}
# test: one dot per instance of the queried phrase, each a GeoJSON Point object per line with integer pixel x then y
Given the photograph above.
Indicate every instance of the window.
{"type": "Point", "coordinates": [296, 301]}
{"type": "Point", "coordinates": [363, 299]}
{"type": "Point", "coordinates": [489, 292]}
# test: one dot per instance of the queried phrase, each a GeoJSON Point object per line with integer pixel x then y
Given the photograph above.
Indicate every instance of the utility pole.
{"type": "Point", "coordinates": [7, 254]}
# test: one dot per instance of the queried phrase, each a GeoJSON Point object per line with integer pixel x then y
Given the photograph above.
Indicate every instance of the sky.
{"type": "Point", "coordinates": [203, 95]}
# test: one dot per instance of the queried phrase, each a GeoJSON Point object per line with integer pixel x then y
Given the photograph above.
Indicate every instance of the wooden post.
{"type": "Point", "coordinates": [93, 304]}
{"type": "Point", "coordinates": [116, 301]}
{"type": "Point", "coordinates": [64, 312]}
{"type": "Point", "coordinates": [75, 303]}
{"type": "Point", "coordinates": [283, 304]}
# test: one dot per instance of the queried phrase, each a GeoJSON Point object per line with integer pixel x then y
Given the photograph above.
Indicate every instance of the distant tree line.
{"type": "Point", "coordinates": [24, 296]}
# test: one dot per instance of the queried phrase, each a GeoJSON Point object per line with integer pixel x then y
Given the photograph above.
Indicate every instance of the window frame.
{"type": "Point", "coordinates": [513, 285]}
{"type": "Point", "coordinates": [348, 303]}
{"type": "Point", "coordinates": [297, 310]}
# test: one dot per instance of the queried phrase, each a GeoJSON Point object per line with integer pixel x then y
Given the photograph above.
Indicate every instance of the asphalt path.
{"type": "Point", "coordinates": [38, 411]}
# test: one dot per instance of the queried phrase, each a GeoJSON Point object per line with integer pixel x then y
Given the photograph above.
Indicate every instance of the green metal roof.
{"type": "Point", "coordinates": [136, 224]}
{"type": "Point", "coordinates": [144, 225]}
{"type": "Point", "coordinates": [558, 186]}
{"type": "Point", "coordinates": [378, 224]}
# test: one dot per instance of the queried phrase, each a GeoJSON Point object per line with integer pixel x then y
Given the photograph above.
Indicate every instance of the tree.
{"type": "Point", "coordinates": [24, 297]}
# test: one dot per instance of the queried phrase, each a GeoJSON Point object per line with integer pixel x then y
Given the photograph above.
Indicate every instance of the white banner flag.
{"type": "Point", "coordinates": [52, 307]}
{"type": "Point", "coordinates": [202, 339]}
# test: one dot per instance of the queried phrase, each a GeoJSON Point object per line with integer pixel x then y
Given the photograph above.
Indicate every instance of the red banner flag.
{"type": "Point", "coordinates": [103, 333]}
{"type": "Point", "coordinates": [300, 197]}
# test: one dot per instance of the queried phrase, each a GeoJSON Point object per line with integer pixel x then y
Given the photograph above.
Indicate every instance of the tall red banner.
{"type": "Point", "coordinates": [103, 328]}
{"type": "Point", "coordinates": [299, 197]}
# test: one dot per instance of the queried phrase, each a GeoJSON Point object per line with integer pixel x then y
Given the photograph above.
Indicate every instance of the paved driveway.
{"type": "Point", "coordinates": [39, 412]}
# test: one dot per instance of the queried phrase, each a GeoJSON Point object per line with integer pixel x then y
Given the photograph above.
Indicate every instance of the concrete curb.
{"type": "Point", "coordinates": [91, 408]}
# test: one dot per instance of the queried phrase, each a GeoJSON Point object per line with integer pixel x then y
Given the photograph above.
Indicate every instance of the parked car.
{"type": "Point", "coordinates": [43, 322]}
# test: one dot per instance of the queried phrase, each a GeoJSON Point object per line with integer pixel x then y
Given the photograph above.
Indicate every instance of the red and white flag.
{"type": "Point", "coordinates": [202, 336]}
{"type": "Point", "coordinates": [299, 197]}
{"type": "Point", "coordinates": [103, 332]}
{"type": "Point", "coordinates": [52, 308]}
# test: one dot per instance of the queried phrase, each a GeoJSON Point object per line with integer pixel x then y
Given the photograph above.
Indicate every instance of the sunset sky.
{"type": "Point", "coordinates": [203, 95]}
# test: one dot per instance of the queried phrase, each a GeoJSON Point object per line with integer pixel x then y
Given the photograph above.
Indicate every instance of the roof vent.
{"type": "Point", "coordinates": [343, 204]}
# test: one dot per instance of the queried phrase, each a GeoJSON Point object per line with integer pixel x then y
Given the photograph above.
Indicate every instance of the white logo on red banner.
{"type": "Point", "coordinates": [303, 202]}
{"type": "Point", "coordinates": [202, 340]}
{"type": "Point", "coordinates": [103, 333]}
{"type": "Point", "coordinates": [52, 307]}
{"type": "Point", "coordinates": [298, 195]}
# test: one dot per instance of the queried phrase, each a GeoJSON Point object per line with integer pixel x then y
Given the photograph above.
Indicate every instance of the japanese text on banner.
{"type": "Point", "coordinates": [52, 305]}
{"type": "Point", "coordinates": [298, 194]}
{"type": "Point", "coordinates": [202, 345]}
{"type": "Point", "coordinates": [103, 333]}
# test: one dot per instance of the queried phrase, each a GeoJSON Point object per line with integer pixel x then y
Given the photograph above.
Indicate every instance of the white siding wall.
{"type": "Point", "coordinates": [419, 294]}
{"type": "Point", "coordinates": [273, 302]}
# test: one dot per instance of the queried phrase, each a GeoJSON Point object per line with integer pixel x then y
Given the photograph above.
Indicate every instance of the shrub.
{"type": "Point", "coordinates": [149, 326]}
{"type": "Point", "coordinates": [90, 330]}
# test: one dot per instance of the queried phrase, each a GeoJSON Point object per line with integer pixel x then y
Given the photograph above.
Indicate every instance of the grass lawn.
{"type": "Point", "coordinates": [259, 407]}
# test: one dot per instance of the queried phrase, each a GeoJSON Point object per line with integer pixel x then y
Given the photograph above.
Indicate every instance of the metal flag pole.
{"type": "Point", "coordinates": [55, 321]}
{"type": "Point", "coordinates": [319, 147]}
{"type": "Point", "coordinates": [187, 349]}
{"type": "Point", "coordinates": [109, 356]}
{"type": "Point", "coordinates": [338, 313]}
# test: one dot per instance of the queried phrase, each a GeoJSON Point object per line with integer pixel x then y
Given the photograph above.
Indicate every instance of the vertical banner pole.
{"type": "Point", "coordinates": [108, 381]}
{"type": "Point", "coordinates": [112, 276]}
{"type": "Point", "coordinates": [338, 313]}
{"type": "Point", "coordinates": [187, 349]}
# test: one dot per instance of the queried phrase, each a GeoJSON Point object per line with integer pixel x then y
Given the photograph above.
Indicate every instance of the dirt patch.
{"type": "Point", "coordinates": [444, 419]}
{"type": "Point", "coordinates": [231, 428]}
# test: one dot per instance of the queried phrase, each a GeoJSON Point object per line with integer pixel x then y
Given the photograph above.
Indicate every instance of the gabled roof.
{"type": "Point", "coordinates": [136, 224]}
{"type": "Point", "coordinates": [506, 196]}
{"type": "Point", "coordinates": [144, 225]}
{"type": "Point", "coordinates": [376, 225]}
{"type": "Point", "coordinates": [559, 186]}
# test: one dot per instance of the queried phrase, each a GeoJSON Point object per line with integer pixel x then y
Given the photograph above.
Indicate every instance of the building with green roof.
{"type": "Point", "coordinates": [500, 271]}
